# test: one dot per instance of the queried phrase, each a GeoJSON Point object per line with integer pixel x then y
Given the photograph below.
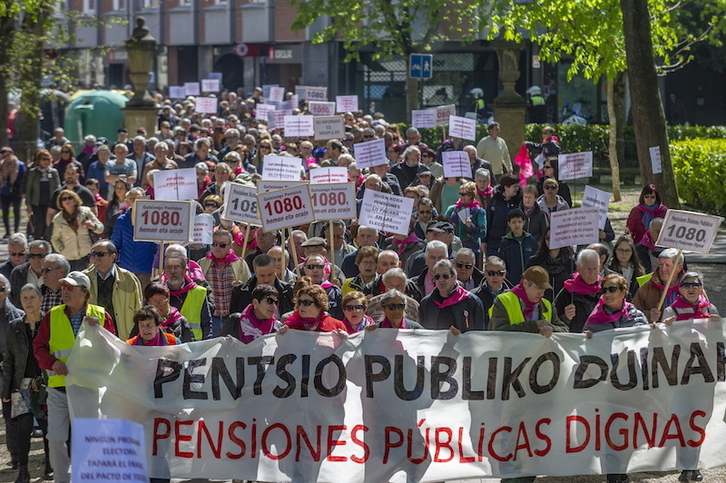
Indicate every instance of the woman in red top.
{"type": "Point", "coordinates": [311, 302]}
{"type": "Point", "coordinates": [148, 321]}
{"type": "Point", "coordinates": [640, 217]}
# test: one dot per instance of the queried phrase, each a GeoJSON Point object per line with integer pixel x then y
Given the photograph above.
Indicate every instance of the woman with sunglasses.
{"type": "Point", "coordinates": [355, 305]}
{"type": "Point", "coordinates": [394, 305]}
{"type": "Point", "coordinates": [469, 219]}
{"type": "Point", "coordinates": [649, 208]}
{"type": "Point", "coordinates": [257, 319]}
{"type": "Point", "coordinates": [73, 229]}
{"type": "Point", "coordinates": [263, 149]}
{"type": "Point", "coordinates": [691, 302]}
{"type": "Point", "coordinates": [551, 201]}
{"type": "Point", "coordinates": [311, 303]}
{"type": "Point", "coordinates": [551, 171]}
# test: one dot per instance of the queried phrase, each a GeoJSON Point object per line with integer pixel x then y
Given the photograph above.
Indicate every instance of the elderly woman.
{"type": "Point", "coordinates": [257, 319]}
{"type": "Point", "coordinates": [73, 227]}
{"type": "Point", "coordinates": [311, 302]}
{"type": "Point", "coordinates": [147, 321]}
{"type": "Point", "coordinates": [691, 303]}
{"type": "Point", "coordinates": [484, 188]}
{"type": "Point", "coordinates": [580, 295]}
{"type": "Point", "coordinates": [355, 305]}
{"type": "Point", "coordinates": [157, 295]}
{"type": "Point", "coordinates": [407, 169]}
{"type": "Point", "coordinates": [40, 183]}
{"type": "Point", "coordinates": [203, 179]}
{"type": "Point", "coordinates": [394, 305]}
{"type": "Point", "coordinates": [551, 201]}
{"type": "Point", "coordinates": [366, 261]}
{"type": "Point", "coordinates": [626, 263]}
{"type": "Point", "coordinates": [469, 218]}
{"type": "Point", "coordinates": [640, 217]}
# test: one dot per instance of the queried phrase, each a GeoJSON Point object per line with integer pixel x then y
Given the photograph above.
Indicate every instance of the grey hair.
{"type": "Point", "coordinates": [31, 287]}
{"type": "Point", "coordinates": [198, 143]}
{"type": "Point", "coordinates": [59, 260]}
{"type": "Point", "coordinates": [466, 252]}
{"type": "Point", "coordinates": [394, 273]}
{"type": "Point", "coordinates": [44, 244]}
{"type": "Point", "coordinates": [445, 263]}
{"type": "Point", "coordinates": [409, 150]}
{"type": "Point", "coordinates": [393, 294]}
{"type": "Point", "coordinates": [434, 245]}
{"type": "Point", "coordinates": [587, 255]}
{"type": "Point", "coordinates": [482, 173]}
{"type": "Point", "coordinates": [203, 166]}
{"type": "Point", "coordinates": [18, 238]}
{"type": "Point", "coordinates": [176, 256]}
{"type": "Point", "coordinates": [673, 254]}
{"type": "Point", "coordinates": [688, 275]}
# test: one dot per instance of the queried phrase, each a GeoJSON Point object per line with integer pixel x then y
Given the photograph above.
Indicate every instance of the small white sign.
{"type": "Point", "coordinates": [207, 105]}
{"type": "Point", "coordinates": [346, 103]}
{"type": "Point", "coordinates": [281, 168]}
{"type": "Point", "coordinates": [423, 118]}
{"type": "Point", "coordinates": [300, 92]}
{"type": "Point", "coordinates": [285, 208]}
{"type": "Point", "coordinates": [191, 88]}
{"type": "Point", "coordinates": [329, 127]}
{"type": "Point", "coordinates": [210, 85]}
{"type": "Point", "coordinates": [262, 112]}
{"type": "Point", "coordinates": [316, 93]}
{"type": "Point", "coordinates": [176, 92]}
{"type": "Point", "coordinates": [168, 221]}
{"type": "Point", "coordinates": [240, 203]}
{"type": "Point", "coordinates": [266, 88]}
{"type": "Point", "coordinates": [462, 127]}
{"type": "Point", "coordinates": [575, 165]}
{"type": "Point", "coordinates": [655, 159]}
{"type": "Point", "coordinates": [371, 153]}
{"type": "Point", "coordinates": [580, 226]}
{"type": "Point", "coordinates": [334, 201]}
{"type": "Point", "coordinates": [299, 126]}
{"type": "Point", "coordinates": [456, 164]}
{"type": "Point", "coordinates": [276, 119]}
{"type": "Point", "coordinates": [175, 184]}
{"type": "Point", "coordinates": [277, 94]}
{"type": "Point", "coordinates": [595, 198]}
{"type": "Point", "coordinates": [108, 450]}
{"type": "Point", "coordinates": [322, 108]}
{"type": "Point", "coordinates": [263, 186]}
{"type": "Point", "coordinates": [335, 174]}
{"type": "Point", "coordinates": [386, 212]}
{"type": "Point", "coordinates": [443, 113]}
{"type": "Point", "coordinates": [687, 230]}
{"type": "Point", "coordinates": [203, 229]}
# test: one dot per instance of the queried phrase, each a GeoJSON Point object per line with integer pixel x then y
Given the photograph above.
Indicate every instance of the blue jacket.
{"type": "Point", "coordinates": [516, 253]}
{"type": "Point", "coordinates": [134, 256]}
{"type": "Point", "coordinates": [15, 188]}
{"type": "Point", "coordinates": [497, 211]}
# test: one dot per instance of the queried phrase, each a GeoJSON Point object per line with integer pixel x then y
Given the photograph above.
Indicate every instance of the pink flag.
{"type": "Point", "coordinates": [525, 165]}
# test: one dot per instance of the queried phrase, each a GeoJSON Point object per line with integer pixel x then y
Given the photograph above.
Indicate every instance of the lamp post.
{"type": "Point", "coordinates": [141, 110]}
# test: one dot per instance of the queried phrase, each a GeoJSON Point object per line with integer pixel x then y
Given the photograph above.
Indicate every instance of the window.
{"type": "Point", "coordinates": [119, 5]}
{"type": "Point", "coordinates": [89, 6]}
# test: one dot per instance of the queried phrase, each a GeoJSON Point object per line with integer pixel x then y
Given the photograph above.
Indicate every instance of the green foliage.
{"type": "Point", "coordinates": [700, 169]}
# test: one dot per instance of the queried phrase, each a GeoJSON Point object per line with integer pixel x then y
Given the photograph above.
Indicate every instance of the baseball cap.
{"type": "Point", "coordinates": [423, 169]}
{"type": "Point", "coordinates": [77, 279]}
{"type": "Point", "coordinates": [443, 227]}
{"type": "Point", "coordinates": [538, 275]}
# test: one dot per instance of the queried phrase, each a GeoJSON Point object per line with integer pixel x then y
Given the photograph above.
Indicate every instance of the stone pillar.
{"type": "Point", "coordinates": [141, 110]}
{"type": "Point", "coordinates": [509, 107]}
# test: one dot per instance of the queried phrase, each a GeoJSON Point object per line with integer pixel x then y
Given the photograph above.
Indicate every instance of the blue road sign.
{"type": "Point", "coordinates": [421, 66]}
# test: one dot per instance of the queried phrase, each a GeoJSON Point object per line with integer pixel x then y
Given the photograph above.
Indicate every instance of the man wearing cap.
{"type": "Point", "coordinates": [523, 309]}
{"type": "Point", "coordinates": [318, 246]}
{"type": "Point", "coordinates": [52, 346]}
{"type": "Point", "coordinates": [442, 231]}
{"type": "Point", "coordinates": [424, 176]}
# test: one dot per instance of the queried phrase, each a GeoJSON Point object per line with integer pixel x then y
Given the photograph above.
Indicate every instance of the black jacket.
{"type": "Point", "coordinates": [432, 317]}
{"type": "Point", "coordinates": [583, 308]}
{"type": "Point", "coordinates": [18, 277]}
{"type": "Point", "coordinates": [16, 356]}
{"type": "Point", "coordinates": [242, 296]}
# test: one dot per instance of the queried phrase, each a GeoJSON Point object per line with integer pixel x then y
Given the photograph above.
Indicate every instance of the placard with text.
{"type": "Point", "coordinates": [687, 230]}
{"type": "Point", "coordinates": [285, 208]}
{"type": "Point", "coordinates": [240, 203]}
{"type": "Point", "coordinates": [167, 221]}
{"type": "Point", "coordinates": [333, 201]}
{"type": "Point", "coordinates": [575, 165]}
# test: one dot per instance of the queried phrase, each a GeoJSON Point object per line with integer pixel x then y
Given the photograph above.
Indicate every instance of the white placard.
{"type": "Point", "coordinates": [276, 119]}
{"type": "Point", "coordinates": [575, 165]}
{"type": "Point", "coordinates": [595, 198]}
{"type": "Point", "coordinates": [299, 126]}
{"type": "Point", "coordinates": [176, 184]}
{"type": "Point", "coordinates": [240, 203]}
{"type": "Point", "coordinates": [285, 208]}
{"type": "Point", "coordinates": [262, 112]}
{"type": "Point", "coordinates": [329, 127]}
{"type": "Point", "coordinates": [322, 108]}
{"type": "Point", "coordinates": [336, 174]}
{"type": "Point", "coordinates": [281, 168]}
{"type": "Point", "coordinates": [263, 186]}
{"type": "Point", "coordinates": [687, 230]}
{"type": "Point", "coordinates": [285, 105]}
{"type": "Point", "coordinates": [191, 88]}
{"type": "Point", "coordinates": [277, 94]}
{"type": "Point", "coordinates": [346, 103]}
{"type": "Point", "coordinates": [108, 450]}
{"type": "Point", "coordinates": [371, 153]}
{"type": "Point", "coordinates": [203, 229]}
{"type": "Point", "coordinates": [266, 88]}
{"type": "Point", "coordinates": [423, 118]}
{"type": "Point", "coordinates": [210, 85]}
{"type": "Point", "coordinates": [333, 201]}
{"type": "Point", "coordinates": [456, 164]}
{"type": "Point", "coordinates": [580, 226]}
{"type": "Point", "coordinates": [176, 92]}
{"type": "Point", "coordinates": [316, 94]}
{"type": "Point", "coordinates": [300, 92]}
{"type": "Point", "coordinates": [168, 221]}
{"type": "Point", "coordinates": [655, 159]}
{"type": "Point", "coordinates": [462, 127]}
{"type": "Point", "coordinates": [386, 212]}
{"type": "Point", "coordinates": [207, 105]}
{"type": "Point", "coordinates": [443, 113]}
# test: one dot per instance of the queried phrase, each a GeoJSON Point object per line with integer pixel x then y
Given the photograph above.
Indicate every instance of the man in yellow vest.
{"type": "Point", "coordinates": [193, 301]}
{"type": "Point", "coordinates": [52, 346]}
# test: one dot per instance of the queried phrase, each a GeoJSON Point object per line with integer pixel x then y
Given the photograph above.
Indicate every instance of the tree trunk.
{"type": "Point", "coordinates": [616, 144]}
{"type": "Point", "coordinates": [648, 116]}
{"type": "Point", "coordinates": [411, 93]}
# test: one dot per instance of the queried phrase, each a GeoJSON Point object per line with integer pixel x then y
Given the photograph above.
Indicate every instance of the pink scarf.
{"type": "Point", "coordinates": [173, 317]}
{"type": "Point", "coordinates": [520, 292]}
{"type": "Point", "coordinates": [698, 313]}
{"type": "Point", "coordinates": [488, 192]}
{"type": "Point", "coordinates": [158, 340]}
{"type": "Point", "coordinates": [647, 241]}
{"type": "Point", "coordinates": [402, 244]}
{"type": "Point", "coordinates": [239, 239]}
{"type": "Point", "coordinates": [386, 324]}
{"type": "Point", "coordinates": [599, 316]}
{"type": "Point", "coordinates": [251, 328]}
{"type": "Point", "coordinates": [456, 296]}
{"type": "Point", "coordinates": [472, 206]}
{"type": "Point", "coordinates": [229, 258]}
{"type": "Point", "coordinates": [578, 285]}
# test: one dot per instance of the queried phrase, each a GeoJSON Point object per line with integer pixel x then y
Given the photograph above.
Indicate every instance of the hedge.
{"type": "Point", "coordinates": [700, 169]}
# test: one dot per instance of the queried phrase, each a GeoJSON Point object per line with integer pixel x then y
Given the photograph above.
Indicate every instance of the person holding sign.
{"type": "Point", "coordinates": [394, 304]}
{"type": "Point", "coordinates": [355, 305]}
{"type": "Point", "coordinates": [652, 285]}
{"type": "Point", "coordinates": [612, 310]}
{"type": "Point", "coordinates": [311, 303]}
{"type": "Point", "coordinates": [691, 302]}
{"type": "Point", "coordinates": [469, 218]}
{"type": "Point", "coordinates": [550, 171]}
{"type": "Point", "coordinates": [650, 207]}
{"type": "Point", "coordinates": [580, 294]}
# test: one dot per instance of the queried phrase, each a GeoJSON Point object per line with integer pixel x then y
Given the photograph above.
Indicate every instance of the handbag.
{"type": "Point", "coordinates": [20, 399]}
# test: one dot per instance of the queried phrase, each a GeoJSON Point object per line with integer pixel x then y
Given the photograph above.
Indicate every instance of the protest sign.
{"type": "Point", "coordinates": [370, 153]}
{"type": "Point", "coordinates": [330, 127]}
{"type": "Point", "coordinates": [575, 165]}
{"type": "Point", "coordinates": [285, 208]}
{"type": "Point", "coordinates": [423, 118]}
{"type": "Point", "coordinates": [322, 108]}
{"type": "Point", "coordinates": [108, 450]}
{"type": "Point", "coordinates": [300, 92]}
{"type": "Point", "coordinates": [414, 402]}
{"type": "Point", "coordinates": [240, 203]}
{"type": "Point", "coordinates": [203, 229]}
{"type": "Point", "coordinates": [265, 185]}
{"type": "Point", "coordinates": [687, 230]}
{"type": "Point", "coordinates": [346, 103]}
{"type": "Point", "coordinates": [176, 92]}
{"type": "Point", "coordinates": [175, 184]}
{"type": "Point", "coordinates": [456, 164]}
{"type": "Point", "coordinates": [462, 127]}
{"type": "Point", "coordinates": [168, 221]}
{"type": "Point", "coordinates": [299, 126]}
{"type": "Point", "coordinates": [266, 88]}
{"type": "Point", "coordinates": [595, 198]}
{"type": "Point", "coordinates": [210, 85]}
{"type": "Point", "coordinates": [262, 112]}
{"type": "Point", "coordinates": [276, 119]}
{"type": "Point", "coordinates": [316, 94]}
{"type": "Point", "coordinates": [191, 88]}
{"type": "Point", "coordinates": [207, 105]}
{"type": "Point", "coordinates": [655, 159]}
{"type": "Point", "coordinates": [337, 174]}
{"type": "Point", "coordinates": [277, 94]}
{"type": "Point", "coordinates": [580, 226]}
{"type": "Point", "coordinates": [281, 168]}
{"type": "Point", "coordinates": [386, 212]}
{"type": "Point", "coordinates": [443, 113]}
{"type": "Point", "coordinates": [333, 201]}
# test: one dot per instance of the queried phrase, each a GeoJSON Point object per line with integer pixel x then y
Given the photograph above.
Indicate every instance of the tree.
{"type": "Point", "coordinates": [392, 28]}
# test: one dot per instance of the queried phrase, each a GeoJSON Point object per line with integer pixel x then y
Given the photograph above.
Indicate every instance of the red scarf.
{"type": "Point", "coordinates": [296, 321]}
{"type": "Point", "coordinates": [599, 316]}
{"type": "Point", "coordinates": [229, 258]}
{"type": "Point", "coordinates": [520, 292]}
{"type": "Point", "coordinates": [578, 285]}
{"type": "Point", "coordinates": [386, 324]}
{"type": "Point", "coordinates": [698, 313]}
{"type": "Point", "coordinates": [472, 206]}
{"type": "Point", "coordinates": [402, 244]}
{"type": "Point", "coordinates": [456, 296]}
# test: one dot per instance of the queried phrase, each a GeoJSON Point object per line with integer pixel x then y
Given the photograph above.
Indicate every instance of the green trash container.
{"type": "Point", "coordinates": [94, 112]}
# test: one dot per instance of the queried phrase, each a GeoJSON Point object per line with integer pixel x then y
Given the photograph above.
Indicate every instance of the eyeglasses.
{"type": "Point", "coordinates": [272, 301]}
{"type": "Point", "coordinates": [624, 250]}
{"type": "Point", "coordinates": [368, 136]}
{"type": "Point", "coordinates": [67, 286]}
{"type": "Point", "coordinates": [691, 284]}
{"type": "Point", "coordinates": [98, 254]}
{"type": "Point", "coordinates": [17, 254]}
{"type": "Point", "coordinates": [649, 196]}
{"type": "Point", "coordinates": [550, 188]}
{"type": "Point", "coordinates": [426, 155]}
{"type": "Point", "coordinates": [211, 205]}
{"type": "Point", "coordinates": [3, 289]}
{"type": "Point", "coordinates": [499, 273]}
{"type": "Point", "coordinates": [220, 245]}
{"type": "Point", "coordinates": [48, 269]}
{"type": "Point", "coordinates": [4, 152]}
{"type": "Point", "coordinates": [611, 289]}
{"type": "Point", "coordinates": [439, 276]}
{"type": "Point", "coordinates": [65, 151]}
{"type": "Point", "coordinates": [424, 212]}
{"type": "Point", "coordinates": [66, 198]}
{"type": "Point", "coordinates": [45, 158]}
{"type": "Point", "coordinates": [351, 308]}
{"type": "Point", "coordinates": [463, 193]}
{"type": "Point", "coordinates": [265, 147]}
{"type": "Point", "coordinates": [37, 256]}
{"type": "Point", "coordinates": [468, 266]}
{"type": "Point", "coordinates": [314, 267]}
{"type": "Point", "coordinates": [306, 302]}
{"type": "Point", "coordinates": [395, 306]}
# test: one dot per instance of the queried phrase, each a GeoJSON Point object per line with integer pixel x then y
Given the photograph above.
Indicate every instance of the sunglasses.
{"type": "Point", "coordinates": [17, 254]}
{"type": "Point", "coordinates": [67, 286]}
{"type": "Point", "coordinates": [439, 276]}
{"type": "Point", "coordinates": [611, 289]}
{"type": "Point", "coordinates": [272, 301]}
{"type": "Point", "coordinates": [315, 267]}
{"type": "Point", "coordinates": [649, 196]}
{"type": "Point", "coordinates": [66, 198]}
{"type": "Point", "coordinates": [395, 306]}
{"type": "Point", "coordinates": [424, 212]}
{"type": "Point", "coordinates": [427, 155]}
{"type": "Point", "coordinates": [98, 254]}
{"type": "Point", "coordinates": [691, 284]}
{"type": "Point", "coordinates": [65, 152]}
{"type": "Point", "coordinates": [351, 308]}
{"type": "Point", "coordinates": [550, 188]}
{"type": "Point", "coordinates": [211, 205]}
{"type": "Point", "coordinates": [463, 193]}
{"type": "Point", "coordinates": [48, 270]}
{"type": "Point", "coordinates": [368, 137]}
{"type": "Point", "coordinates": [4, 152]}
{"type": "Point", "coordinates": [37, 256]}
{"type": "Point", "coordinates": [305, 303]}
{"type": "Point", "coordinates": [468, 266]}
{"type": "Point", "coordinates": [265, 147]}
{"type": "Point", "coordinates": [220, 245]}
{"type": "Point", "coordinates": [499, 273]}
{"type": "Point", "coordinates": [546, 167]}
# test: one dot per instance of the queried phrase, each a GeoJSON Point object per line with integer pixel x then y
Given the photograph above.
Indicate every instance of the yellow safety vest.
{"type": "Point", "coordinates": [513, 306]}
{"type": "Point", "coordinates": [643, 279]}
{"type": "Point", "coordinates": [191, 309]}
{"type": "Point", "coordinates": [62, 338]}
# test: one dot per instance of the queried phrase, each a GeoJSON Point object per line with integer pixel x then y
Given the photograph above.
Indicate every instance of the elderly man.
{"type": "Point", "coordinates": [140, 157]}
{"type": "Point", "coordinates": [366, 237]}
{"type": "Point", "coordinates": [494, 149]}
{"type": "Point", "coordinates": [193, 301]}
{"type": "Point", "coordinates": [163, 161]}
{"type": "Point", "coordinates": [265, 241]}
{"type": "Point", "coordinates": [424, 282]}
{"type": "Point", "coordinates": [281, 271]}
{"type": "Point", "coordinates": [468, 275]}
{"type": "Point", "coordinates": [495, 283]}
{"type": "Point", "coordinates": [477, 163]}
{"type": "Point", "coordinates": [318, 246]}
{"type": "Point", "coordinates": [52, 347]}
{"type": "Point", "coordinates": [580, 294]}
{"type": "Point", "coordinates": [121, 167]}
{"type": "Point", "coordinates": [265, 274]}
{"type": "Point", "coordinates": [387, 260]}
{"type": "Point", "coordinates": [449, 305]}
{"type": "Point", "coordinates": [340, 247]}
{"type": "Point", "coordinates": [17, 254]}
{"type": "Point", "coordinates": [113, 288]}
{"type": "Point", "coordinates": [395, 278]}
{"type": "Point", "coordinates": [30, 271]}
{"type": "Point", "coordinates": [201, 154]}
{"type": "Point", "coordinates": [55, 267]}
{"type": "Point", "coordinates": [97, 169]}
{"type": "Point", "coordinates": [652, 285]}
{"type": "Point", "coordinates": [442, 231]}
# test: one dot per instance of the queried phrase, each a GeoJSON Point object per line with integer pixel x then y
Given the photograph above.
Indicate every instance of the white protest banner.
{"type": "Point", "coordinates": [655, 159]}
{"type": "Point", "coordinates": [575, 165]}
{"type": "Point", "coordinates": [299, 126]}
{"type": "Point", "coordinates": [108, 450]}
{"type": "Point", "coordinates": [346, 103]}
{"type": "Point", "coordinates": [336, 174]}
{"type": "Point", "coordinates": [203, 229]}
{"type": "Point", "coordinates": [294, 102]}
{"type": "Point", "coordinates": [262, 112]}
{"type": "Point", "coordinates": [168, 221]}
{"type": "Point", "coordinates": [285, 208]}
{"type": "Point", "coordinates": [580, 226]}
{"type": "Point", "coordinates": [285, 105]}
{"type": "Point", "coordinates": [456, 164]}
{"type": "Point", "coordinates": [595, 198]}
{"type": "Point", "coordinates": [300, 92]}
{"type": "Point", "coordinates": [322, 108]}
{"type": "Point", "coordinates": [264, 186]}
{"type": "Point", "coordinates": [281, 168]}
{"type": "Point", "coordinates": [176, 92]}
{"type": "Point", "coordinates": [240, 203]}
{"type": "Point", "coordinates": [423, 118]}
{"type": "Point", "coordinates": [370, 153]}
{"type": "Point", "coordinates": [276, 119]}
{"type": "Point", "coordinates": [443, 113]}
{"type": "Point", "coordinates": [191, 89]}
{"type": "Point", "coordinates": [266, 88]}
{"type": "Point", "coordinates": [175, 184]}
{"type": "Point", "coordinates": [277, 94]}
{"type": "Point", "coordinates": [316, 94]}
{"type": "Point", "coordinates": [462, 127]}
{"type": "Point", "coordinates": [386, 212]}
{"type": "Point", "coordinates": [310, 404]}
{"type": "Point", "coordinates": [210, 85]}
{"type": "Point", "coordinates": [687, 230]}
{"type": "Point", "coordinates": [207, 105]}
{"type": "Point", "coordinates": [329, 127]}
{"type": "Point", "coordinates": [333, 201]}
